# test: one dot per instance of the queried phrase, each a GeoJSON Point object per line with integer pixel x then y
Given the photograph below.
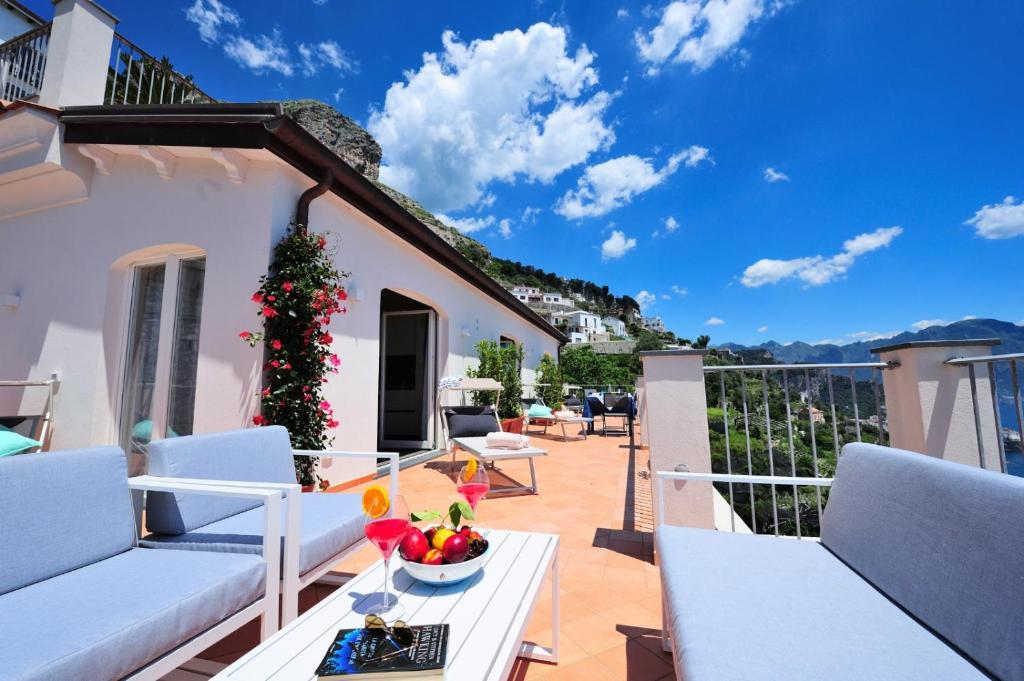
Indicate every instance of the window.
{"type": "Point", "coordinates": [162, 353]}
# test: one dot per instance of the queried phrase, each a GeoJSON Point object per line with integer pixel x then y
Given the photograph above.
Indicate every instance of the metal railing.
{"type": "Point", "coordinates": [22, 64]}
{"type": "Point", "coordinates": [1005, 437]}
{"type": "Point", "coordinates": [780, 448]}
{"type": "Point", "coordinates": [137, 77]}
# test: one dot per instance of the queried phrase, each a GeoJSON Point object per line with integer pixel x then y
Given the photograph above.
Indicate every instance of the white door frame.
{"type": "Point", "coordinates": [429, 381]}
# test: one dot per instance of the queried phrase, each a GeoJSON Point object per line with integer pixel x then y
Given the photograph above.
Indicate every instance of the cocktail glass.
{"type": "Point", "coordinates": [386, 533]}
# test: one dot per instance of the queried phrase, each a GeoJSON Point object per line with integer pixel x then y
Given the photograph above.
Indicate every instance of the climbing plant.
{"type": "Point", "coordinates": [503, 364]}
{"type": "Point", "coordinates": [549, 375]}
{"type": "Point", "coordinates": [297, 298]}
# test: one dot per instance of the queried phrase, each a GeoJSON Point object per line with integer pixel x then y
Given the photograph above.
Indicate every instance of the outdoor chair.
{"type": "Point", "coordinates": [918, 575]}
{"type": "Point", "coordinates": [621, 408]}
{"type": "Point", "coordinates": [467, 421]}
{"type": "Point", "coordinates": [80, 600]}
{"type": "Point", "coordinates": [320, 529]}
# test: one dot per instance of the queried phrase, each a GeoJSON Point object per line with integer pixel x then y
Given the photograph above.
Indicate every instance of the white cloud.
{"type": "Point", "coordinates": [817, 270]}
{"type": "Point", "coordinates": [772, 175]}
{"type": "Point", "coordinates": [495, 109]}
{"type": "Point", "coordinates": [261, 54]}
{"type": "Point", "coordinates": [671, 225]}
{"type": "Point", "coordinates": [999, 221]}
{"type": "Point", "coordinates": [665, 296]}
{"type": "Point", "coordinates": [467, 225]}
{"type": "Point", "coordinates": [699, 32]}
{"type": "Point", "coordinates": [505, 228]}
{"type": "Point", "coordinates": [209, 16]}
{"type": "Point", "coordinates": [645, 299]}
{"type": "Point", "coordinates": [714, 321]}
{"type": "Point", "coordinates": [319, 2]}
{"type": "Point", "coordinates": [325, 53]}
{"type": "Point", "coordinates": [613, 183]}
{"type": "Point", "coordinates": [338, 93]}
{"type": "Point", "coordinates": [622, 13]}
{"type": "Point", "coordinates": [871, 335]}
{"type": "Point", "coordinates": [530, 215]}
{"type": "Point", "coordinates": [926, 323]}
{"type": "Point", "coordinates": [679, 290]}
{"type": "Point", "coordinates": [616, 246]}
{"type": "Point", "coordinates": [762, 329]}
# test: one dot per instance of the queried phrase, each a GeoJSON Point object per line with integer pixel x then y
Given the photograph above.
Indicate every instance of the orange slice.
{"type": "Point", "coordinates": [470, 470]}
{"type": "Point", "coordinates": [375, 501]}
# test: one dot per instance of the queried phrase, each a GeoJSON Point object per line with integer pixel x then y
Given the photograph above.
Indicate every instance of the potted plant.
{"type": "Point", "coordinates": [503, 364]}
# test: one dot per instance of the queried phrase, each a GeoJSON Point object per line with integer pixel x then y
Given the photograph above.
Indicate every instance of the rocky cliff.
{"type": "Point", "coordinates": [339, 132]}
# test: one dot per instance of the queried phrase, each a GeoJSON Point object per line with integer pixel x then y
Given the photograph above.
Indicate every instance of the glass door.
{"type": "Point", "coordinates": [407, 375]}
{"type": "Point", "coordinates": [162, 353]}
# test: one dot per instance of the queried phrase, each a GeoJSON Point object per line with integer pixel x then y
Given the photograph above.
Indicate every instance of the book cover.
{"type": "Point", "coordinates": [365, 655]}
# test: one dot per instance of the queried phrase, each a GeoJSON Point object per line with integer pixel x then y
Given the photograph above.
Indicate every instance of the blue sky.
{"type": "Point", "coordinates": [832, 169]}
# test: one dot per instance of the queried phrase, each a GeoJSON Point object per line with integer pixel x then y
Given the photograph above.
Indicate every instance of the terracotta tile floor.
{"type": "Point", "coordinates": [595, 494]}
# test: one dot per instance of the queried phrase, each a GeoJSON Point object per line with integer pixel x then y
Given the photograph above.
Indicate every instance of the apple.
{"type": "Point", "coordinates": [456, 548]}
{"type": "Point", "coordinates": [474, 535]}
{"type": "Point", "coordinates": [429, 534]}
{"type": "Point", "coordinates": [433, 557]}
{"type": "Point", "coordinates": [440, 537]}
{"type": "Point", "coordinates": [414, 545]}
{"type": "Point", "coordinates": [466, 529]}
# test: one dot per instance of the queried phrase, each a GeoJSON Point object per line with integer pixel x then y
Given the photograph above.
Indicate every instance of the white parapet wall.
{"type": "Point", "coordinates": [78, 55]}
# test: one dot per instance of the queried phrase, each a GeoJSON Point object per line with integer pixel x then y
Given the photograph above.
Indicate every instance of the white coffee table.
{"type": "Point", "coordinates": [487, 615]}
{"type": "Point", "coordinates": [477, 447]}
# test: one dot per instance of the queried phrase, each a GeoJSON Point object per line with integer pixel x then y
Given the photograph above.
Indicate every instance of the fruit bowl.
{"type": "Point", "coordinates": [442, 575]}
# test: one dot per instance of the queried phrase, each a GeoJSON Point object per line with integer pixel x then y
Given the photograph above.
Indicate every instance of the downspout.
{"type": "Point", "coordinates": [302, 208]}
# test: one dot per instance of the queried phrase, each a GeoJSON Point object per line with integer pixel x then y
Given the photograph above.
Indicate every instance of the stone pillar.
{"type": "Point", "coordinates": [78, 54]}
{"type": "Point", "coordinates": [929, 405]}
{"type": "Point", "coordinates": [677, 425]}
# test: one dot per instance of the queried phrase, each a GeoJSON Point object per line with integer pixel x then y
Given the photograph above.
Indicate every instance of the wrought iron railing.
{"type": "Point", "coordinates": [1002, 374]}
{"type": "Point", "coordinates": [137, 77]}
{"type": "Point", "coordinates": [793, 455]}
{"type": "Point", "coordinates": [22, 64]}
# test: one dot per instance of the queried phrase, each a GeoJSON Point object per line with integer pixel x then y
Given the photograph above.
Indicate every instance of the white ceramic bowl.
{"type": "Point", "coordinates": [442, 575]}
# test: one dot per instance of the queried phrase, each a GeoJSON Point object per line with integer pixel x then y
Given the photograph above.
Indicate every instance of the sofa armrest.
{"type": "Point", "coordinates": [271, 501]}
{"type": "Point", "coordinates": [392, 458]}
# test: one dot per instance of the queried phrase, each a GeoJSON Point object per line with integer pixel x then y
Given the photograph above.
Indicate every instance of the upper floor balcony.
{"type": "Point", "coordinates": [78, 58]}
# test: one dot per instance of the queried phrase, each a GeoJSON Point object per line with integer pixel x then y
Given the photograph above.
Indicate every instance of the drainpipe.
{"type": "Point", "coordinates": [302, 209]}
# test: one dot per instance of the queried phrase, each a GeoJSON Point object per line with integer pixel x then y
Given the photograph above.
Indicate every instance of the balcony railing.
{"type": "Point", "coordinates": [787, 438]}
{"type": "Point", "coordinates": [137, 77]}
{"type": "Point", "coordinates": [22, 64]}
{"type": "Point", "coordinates": [1001, 370]}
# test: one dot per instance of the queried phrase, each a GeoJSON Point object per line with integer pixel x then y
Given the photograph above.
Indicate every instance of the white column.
{"type": "Point", "coordinates": [78, 55]}
{"type": "Point", "coordinates": [641, 413]}
{"type": "Point", "coordinates": [929, 404]}
{"type": "Point", "coordinates": [677, 421]}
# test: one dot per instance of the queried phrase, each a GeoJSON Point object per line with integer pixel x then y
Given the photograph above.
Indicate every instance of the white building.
{"type": "Point", "coordinates": [653, 324]}
{"type": "Point", "coordinates": [131, 244]}
{"type": "Point", "coordinates": [614, 325]}
{"type": "Point", "coordinates": [580, 326]}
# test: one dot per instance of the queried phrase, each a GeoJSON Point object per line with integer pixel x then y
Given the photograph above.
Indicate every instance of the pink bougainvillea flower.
{"type": "Point", "coordinates": [245, 335]}
{"type": "Point", "coordinates": [275, 363]}
{"type": "Point", "coordinates": [258, 420]}
{"type": "Point", "coordinates": [257, 297]}
{"type": "Point", "coordinates": [287, 365]}
{"type": "Point", "coordinates": [325, 405]}
{"type": "Point", "coordinates": [287, 286]}
{"type": "Point", "coordinates": [306, 397]}
{"type": "Point", "coordinates": [305, 388]}
{"type": "Point", "coordinates": [269, 312]}
{"type": "Point", "coordinates": [331, 423]}
{"type": "Point", "coordinates": [321, 242]}
{"type": "Point", "coordinates": [276, 344]}
{"type": "Point", "coordinates": [271, 298]}
{"type": "Point", "coordinates": [335, 360]}
{"type": "Point", "coordinates": [266, 392]}
{"type": "Point", "coordinates": [327, 338]}
{"type": "Point", "coordinates": [342, 294]}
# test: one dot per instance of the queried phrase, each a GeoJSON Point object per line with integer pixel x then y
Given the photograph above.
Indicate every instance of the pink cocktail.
{"type": "Point", "coordinates": [473, 492]}
{"type": "Point", "coordinates": [387, 533]}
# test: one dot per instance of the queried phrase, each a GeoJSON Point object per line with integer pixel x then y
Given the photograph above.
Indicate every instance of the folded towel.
{"type": "Point", "coordinates": [564, 414]}
{"type": "Point", "coordinates": [507, 441]}
{"type": "Point", "coordinates": [449, 382]}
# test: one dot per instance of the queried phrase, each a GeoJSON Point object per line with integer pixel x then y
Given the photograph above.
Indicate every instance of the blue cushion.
{"type": "Point", "coordinates": [105, 620]}
{"type": "Point", "coordinates": [538, 411]}
{"type": "Point", "coordinates": [251, 455]}
{"type": "Point", "coordinates": [330, 523]}
{"type": "Point", "coordinates": [14, 443]}
{"type": "Point", "coordinates": [60, 511]}
{"type": "Point", "coordinates": [942, 539]}
{"type": "Point", "coordinates": [745, 607]}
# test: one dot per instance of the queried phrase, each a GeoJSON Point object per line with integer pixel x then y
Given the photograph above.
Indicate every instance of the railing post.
{"type": "Point", "coordinates": [641, 412]}
{"type": "Point", "coordinates": [677, 430]}
{"type": "Point", "coordinates": [78, 55]}
{"type": "Point", "coordinates": [929, 403]}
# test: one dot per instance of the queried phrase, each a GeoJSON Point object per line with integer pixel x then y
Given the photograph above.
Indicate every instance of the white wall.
{"type": "Point", "coordinates": [70, 267]}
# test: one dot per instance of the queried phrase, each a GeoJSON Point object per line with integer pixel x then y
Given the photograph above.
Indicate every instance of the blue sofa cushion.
{"type": "Point", "coordinates": [60, 511]}
{"type": "Point", "coordinates": [942, 539]}
{"type": "Point", "coordinates": [250, 455]}
{"type": "Point", "coordinates": [107, 619]}
{"type": "Point", "coordinates": [746, 607]}
{"type": "Point", "coordinates": [330, 523]}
